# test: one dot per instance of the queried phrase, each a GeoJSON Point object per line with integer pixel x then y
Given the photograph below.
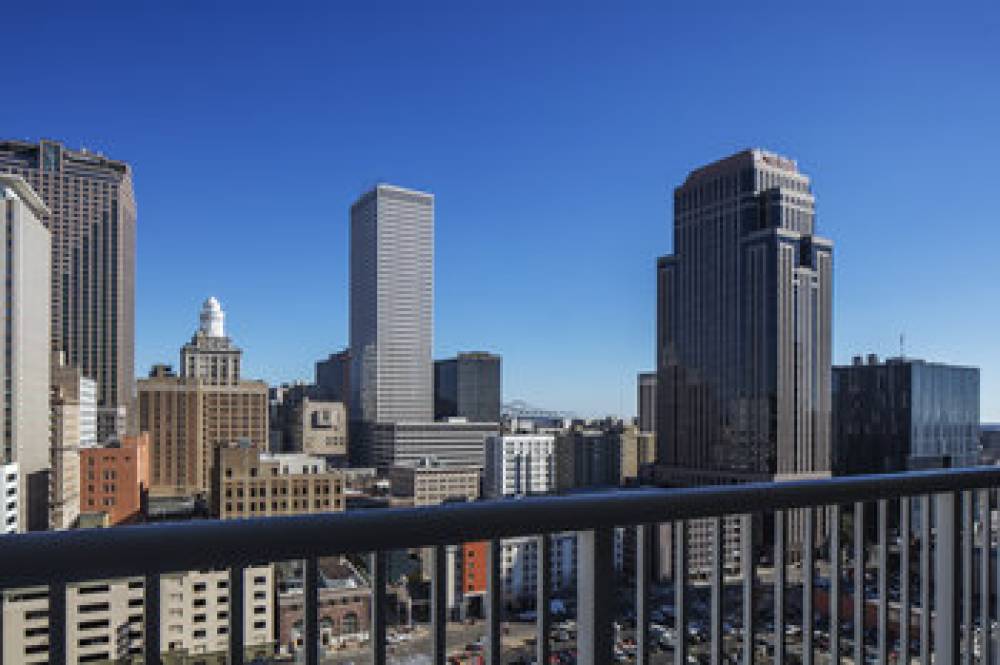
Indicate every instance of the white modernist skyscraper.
{"type": "Point", "coordinates": [24, 337]}
{"type": "Point", "coordinates": [392, 306]}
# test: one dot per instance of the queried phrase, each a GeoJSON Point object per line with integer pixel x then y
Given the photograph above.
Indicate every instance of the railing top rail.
{"type": "Point", "coordinates": [93, 554]}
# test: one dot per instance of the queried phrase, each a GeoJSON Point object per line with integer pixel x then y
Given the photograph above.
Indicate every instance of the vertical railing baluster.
{"type": "Point", "coordinates": [151, 619]}
{"type": "Point", "coordinates": [645, 550]}
{"type": "Point", "coordinates": [968, 634]}
{"type": "Point", "coordinates": [439, 604]}
{"type": "Point", "coordinates": [859, 582]}
{"type": "Point", "coordinates": [310, 601]}
{"type": "Point", "coordinates": [747, 564]}
{"type": "Point", "coordinates": [680, 591]}
{"type": "Point", "coordinates": [904, 580]}
{"type": "Point", "coordinates": [595, 592]}
{"type": "Point", "coordinates": [925, 580]}
{"type": "Point", "coordinates": [716, 590]}
{"type": "Point", "coordinates": [494, 598]}
{"type": "Point", "coordinates": [947, 578]}
{"type": "Point", "coordinates": [883, 581]}
{"type": "Point", "coordinates": [779, 587]}
{"type": "Point", "coordinates": [808, 566]}
{"type": "Point", "coordinates": [57, 621]}
{"type": "Point", "coordinates": [236, 615]}
{"type": "Point", "coordinates": [3, 598]}
{"type": "Point", "coordinates": [835, 585]}
{"type": "Point", "coordinates": [543, 596]}
{"type": "Point", "coordinates": [377, 566]}
{"type": "Point", "coordinates": [985, 579]}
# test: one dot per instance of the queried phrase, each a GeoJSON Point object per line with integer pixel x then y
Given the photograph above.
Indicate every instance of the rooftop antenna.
{"type": "Point", "coordinates": [902, 345]}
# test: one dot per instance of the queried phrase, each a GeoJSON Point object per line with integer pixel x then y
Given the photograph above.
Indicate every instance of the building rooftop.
{"type": "Point", "coordinates": [25, 193]}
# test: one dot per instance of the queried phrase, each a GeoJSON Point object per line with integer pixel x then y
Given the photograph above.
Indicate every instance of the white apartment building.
{"type": "Point", "coordinates": [519, 465]}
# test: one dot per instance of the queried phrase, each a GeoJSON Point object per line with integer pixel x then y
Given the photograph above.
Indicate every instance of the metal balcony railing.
{"type": "Point", "coordinates": [961, 502]}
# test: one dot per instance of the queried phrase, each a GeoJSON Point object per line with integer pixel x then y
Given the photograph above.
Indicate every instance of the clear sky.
{"type": "Point", "coordinates": [552, 135]}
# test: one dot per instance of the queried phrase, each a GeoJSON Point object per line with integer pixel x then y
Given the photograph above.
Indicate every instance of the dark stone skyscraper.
{"type": "Point", "coordinates": [92, 222]}
{"type": "Point", "coordinates": [744, 321]}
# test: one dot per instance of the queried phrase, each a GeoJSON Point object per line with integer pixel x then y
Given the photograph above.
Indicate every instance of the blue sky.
{"type": "Point", "coordinates": [552, 135]}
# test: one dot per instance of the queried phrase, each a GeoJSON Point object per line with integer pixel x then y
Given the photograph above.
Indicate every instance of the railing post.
{"type": "Point", "coordinates": [376, 630]}
{"type": "Point", "coordinates": [859, 582]}
{"type": "Point", "coordinates": [883, 581]}
{"type": "Point", "coordinates": [716, 590]}
{"type": "Point", "coordinates": [543, 593]}
{"type": "Point", "coordinates": [595, 586]}
{"type": "Point", "coordinates": [779, 587]}
{"type": "Point", "coordinates": [985, 577]}
{"type": "Point", "coordinates": [968, 634]}
{"type": "Point", "coordinates": [236, 620]}
{"type": "Point", "coordinates": [645, 550]}
{"type": "Point", "coordinates": [680, 591]}
{"type": "Point", "coordinates": [310, 601]}
{"type": "Point", "coordinates": [494, 600]}
{"type": "Point", "coordinates": [747, 564]}
{"type": "Point", "coordinates": [57, 621]}
{"type": "Point", "coordinates": [835, 584]}
{"type": "Point", "coordinates": [151, 620]}
{"type": "Point", "coordinates": [808, 566]}
{"type": "Point", "coordinates": [947, 578]}
{"type": "Point", "coordinates": [439, 604]}
{"type": "Point", "coordinates": [904, 579]}
{"type": "Point", "coordinates": [925, 580]}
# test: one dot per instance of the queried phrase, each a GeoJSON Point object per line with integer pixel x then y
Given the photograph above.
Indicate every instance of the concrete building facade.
{"type": "Point", "coordinates": [251, 483]}
{"type": "Point", "coordinates": [449, 444]}
{"type": "Point", "coordinates": [104, 619]}
{"type": "Point", "coordinates": [520, 465]}
{"type": "Point", "coordinates": [391, 309]}
{"type": "Point", "coordinates": [429, 484]}
{"type": "Point", "coordinates": [25, 263]}
{"type": "Point", "coordinates": [92, 221]}
{"type": "Point", "coordinates": [74, 426]}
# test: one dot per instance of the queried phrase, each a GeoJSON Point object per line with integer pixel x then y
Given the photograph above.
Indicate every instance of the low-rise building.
{"type": "Point", "coordinates": [520, 464]}
{"type": "Point", "coordinates": [344, 606]}
{"type": "Point", "coordinates": [104, 619]}
{"type": "Point", "coordinates": [429, 484]}
{"type": "Point", "coordinates": [320, 428]}
{"type": "Point", "coordinates": [456, 443]}
{"type": "Point", "coordinates": [249, 483]}
{"type": "Point", "coordinates": [114, 478]}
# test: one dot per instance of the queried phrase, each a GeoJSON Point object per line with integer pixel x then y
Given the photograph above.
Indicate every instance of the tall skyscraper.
{"type": "Point", "coordinates": [744, 327]}
{"type": "Point", "coordinates": [392, 307]}
{"type": "Point", "coordinates": [92, 223]}
{"type": "Point", "coordinates": [468, 386]}
{"type": "Point", "coordinates": [24, 340]}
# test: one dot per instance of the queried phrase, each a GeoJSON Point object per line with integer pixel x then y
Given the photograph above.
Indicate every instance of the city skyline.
{"type": "Point", "coordinates": [524, 206]}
